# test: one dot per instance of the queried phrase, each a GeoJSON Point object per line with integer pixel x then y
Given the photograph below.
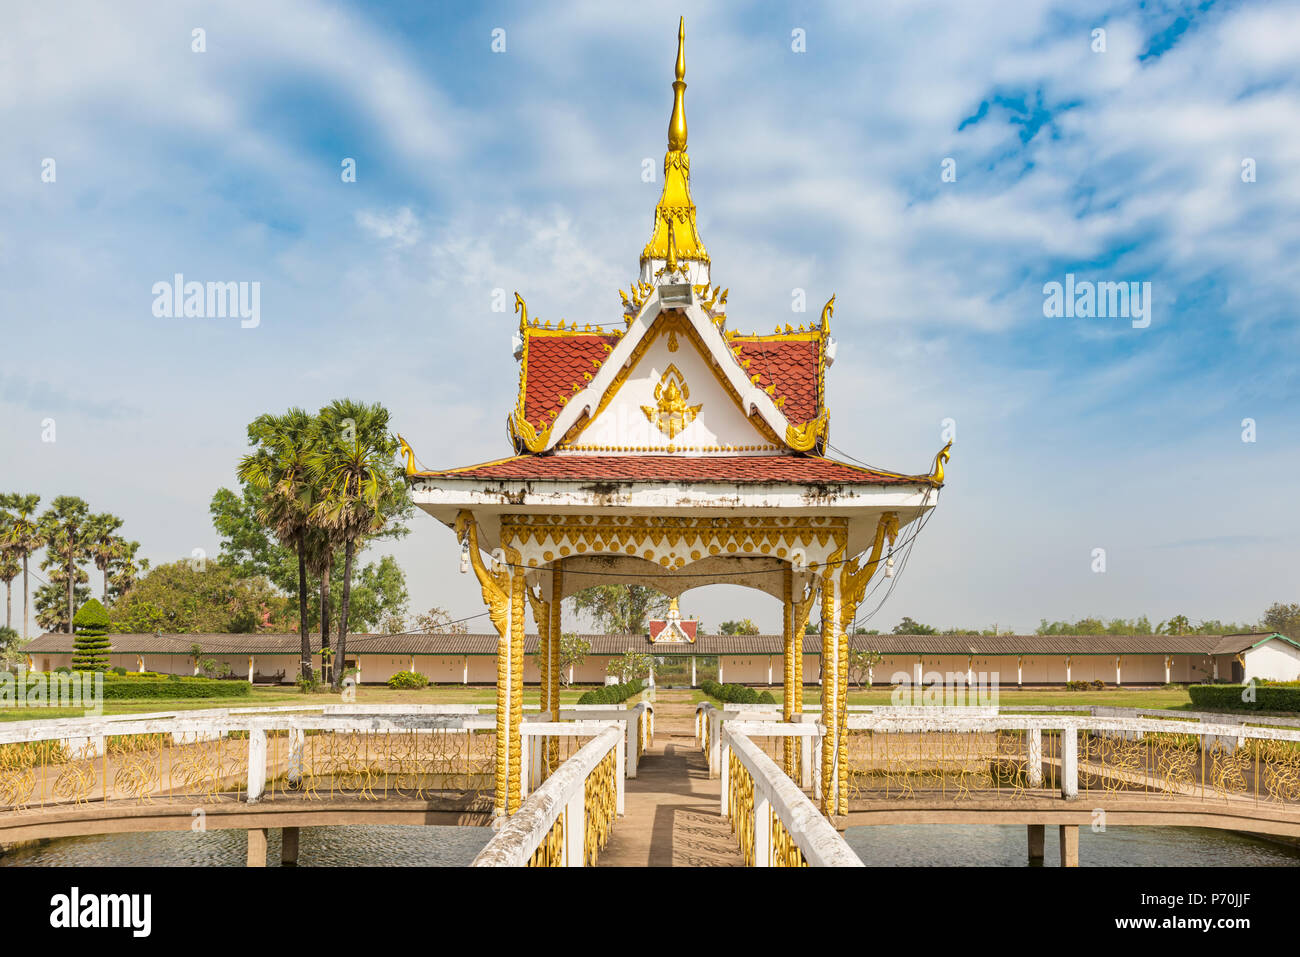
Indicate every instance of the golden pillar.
{"type": "Point", "coordinates": [555, 629]}
{"type": "Point", "coordinates": [830, 691]}
{"type": "Point", "coordinates": [517, 589]}
{"type": "Point", "coordinates": [787, 698]}
{"type": "Point", "coordinates": [854, 577]}
{"type": "Point", "coordinates": [499, 590]}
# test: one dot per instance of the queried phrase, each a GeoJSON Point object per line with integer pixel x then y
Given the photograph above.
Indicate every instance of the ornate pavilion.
{"type": "Point", "coordinates": [666, 448]}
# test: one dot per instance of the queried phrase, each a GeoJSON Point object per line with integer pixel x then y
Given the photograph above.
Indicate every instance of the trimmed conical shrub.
{"type": "Point", "coordinates": [90, 647]}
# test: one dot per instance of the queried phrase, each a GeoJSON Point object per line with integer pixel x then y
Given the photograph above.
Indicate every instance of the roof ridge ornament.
{"type": "Point", "coordinates": [675, 253]}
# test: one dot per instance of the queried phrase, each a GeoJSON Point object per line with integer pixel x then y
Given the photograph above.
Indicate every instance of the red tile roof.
{"type": "Point", "coordinates": [555, 364]}
{"type": "Point", "coordinates": [791, 365]}
{"type": "Point", "coordinates": [736, 469]}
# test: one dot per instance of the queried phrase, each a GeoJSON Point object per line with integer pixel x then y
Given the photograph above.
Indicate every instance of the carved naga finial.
{"type": "Point", "coordinates": [410, 455]}
{"type": "Point", "coordinates": [936, 476]}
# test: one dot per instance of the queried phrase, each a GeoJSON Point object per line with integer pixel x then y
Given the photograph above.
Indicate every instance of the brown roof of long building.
{"type": "Point", "coordinates": [704, 645]}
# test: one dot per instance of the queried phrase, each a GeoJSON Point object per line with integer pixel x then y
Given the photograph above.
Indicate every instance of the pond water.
{"type": "Point", "coordinates": [399, 845]}
{"type": "Point", "coordinates": [974, 845]}
{"type": "Point", "coordinates": [384, 845]}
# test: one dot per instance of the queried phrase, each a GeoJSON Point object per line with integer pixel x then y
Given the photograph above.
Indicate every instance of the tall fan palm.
{"type": "Point", "coordinates": [9, 569]}
{"type": "Point", "coordinates": [23, 537]}
{"type": "Point", "coordinates": [125, 569]}
{"type": "Point", "coordinates": [105, 545]}
{"type": "Point", "coordinates": [321, 544]}
{"type": "Point", "coordinates": [357, 481]}
{"type": "Point", "coordinates": [278, 470]}
{"type": "Point", "coordinates": [65, 526]}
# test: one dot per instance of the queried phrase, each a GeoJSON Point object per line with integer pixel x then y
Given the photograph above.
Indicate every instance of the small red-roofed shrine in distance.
{"type": "Point", "coordinates": [674, 629]}
{"type": "Point", "coordinates": [658, 445]}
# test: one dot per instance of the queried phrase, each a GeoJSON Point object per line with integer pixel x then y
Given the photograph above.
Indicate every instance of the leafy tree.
{"type": "Point", "coordinates": [1282, 618]}
{"type": "Point", "coordinates": [628, 666]}
{"type": "Point", "coordinates": [66, 527]}
{"type": "Point", "coordinates": [1177, 625]}
{"type": "Point", "coordinates": [22, 537]}
{"type": "Point", "coordinates": [621, 609]}
{"type": "Point", "coordinates": [573, 651]}
{"type": "Point", "coordinates": [357, 483]}
{"type": "Point", "coordinates": [177, 597]}
{"type": "Point", "coordinates": [861, 661]}
{"type": "Point", "coordinates": [742, 627]}
{"type": "Point", "coordinates": [90, 648]}
{"type": "Point", "coordinates": [10, 648]}
{"type": "Point", "coordinates": [909, 626]}
{"type": "Point", "coordinates": [277, 469]}
{"type": "Point", "coordinates": [438, 621]}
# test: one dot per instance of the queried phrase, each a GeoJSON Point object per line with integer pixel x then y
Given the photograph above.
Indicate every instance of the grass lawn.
{"type": "Point", "coordinates": [265, 696]}
{"type": "Point", "coordinates": [1176, 698]}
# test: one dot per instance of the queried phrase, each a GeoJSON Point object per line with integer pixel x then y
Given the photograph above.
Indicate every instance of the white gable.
{"type": "Point", "coordinates": [672, 398]}
{"type": "Point", "coordinates": [710, 411]}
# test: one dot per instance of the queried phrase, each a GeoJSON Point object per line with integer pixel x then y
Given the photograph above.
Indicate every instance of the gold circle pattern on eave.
{"type": "Point", "coordinates": [671, 541]}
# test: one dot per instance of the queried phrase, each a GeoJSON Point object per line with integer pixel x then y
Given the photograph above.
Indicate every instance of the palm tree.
{"type": "Point", "coordinates": [357, 483]}
{"type": "Point", "coordinates": [105, 545]}
{"type": "Point", "coordinates": [125, 570]}
{"type": "Point", "coordinates": [22, 538]}
{"type": "Point", "coordinates": [278, 470]}
{"type": "Point", "coordinates": [321, 544]}
{"type": "Point", "coordinates": [9, 569]}
{"type": "Point", "coordinates": [65, 526]}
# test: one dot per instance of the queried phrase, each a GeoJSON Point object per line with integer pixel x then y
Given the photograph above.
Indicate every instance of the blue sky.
{"type": "Point", "coordinates": [817, 170]}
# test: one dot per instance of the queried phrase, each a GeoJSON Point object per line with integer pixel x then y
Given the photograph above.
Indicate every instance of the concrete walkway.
{"type": "Point", "coordinates": [672, 817]}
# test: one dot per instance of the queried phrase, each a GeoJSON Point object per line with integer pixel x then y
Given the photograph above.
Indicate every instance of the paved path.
{"type": "Point", "coordinates": [671, 806]}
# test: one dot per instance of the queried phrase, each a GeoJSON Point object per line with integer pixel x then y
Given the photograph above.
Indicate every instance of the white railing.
{"type": "Point", "coordinates": [538, 735]}
{"type": "Point", "coordinates": [566, 821]}
{"type": "Point", "coordinates": [1126, 753]}
{"type": "Point", "coordinates": [774, 821]}
{"type": "Point", "coordinates": [192, 753]}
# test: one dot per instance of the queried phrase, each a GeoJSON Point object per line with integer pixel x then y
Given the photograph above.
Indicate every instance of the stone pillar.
{"type": "Point", "coordinates": [1020, 671]}
{"type": "Point", "coordinates": [288, 846]}
{"type": "Point", "coordinates": [257, 847]}
{"type": "Point", "coordinates": [1067, 668]}
{"type": "Point", "coordinates": [464, 679]}
{"type": "Point", "coordinates": [692, 671]}
{"type": "Point", "coordinates": [1034, 764]}
{"type": "Point", "coordinates": [252, 668]}
{"type": "Point", "coordinates": [1069, 845]}
{"type": "Point", "coordinates": [1119, 678]}
{"type": "Point", "coordinates": [721, 680]}
{"type": "Point", "coordinates": [1069, 764]}
{"type": "Point", "coordinates": [1037, 838]}
{"type": "Point", "coordinates": [1168, 663]}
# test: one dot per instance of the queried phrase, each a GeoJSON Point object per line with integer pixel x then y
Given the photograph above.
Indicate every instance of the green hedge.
{"type": "Point", "coordinates": [612, 694]}
{"type": "Point", "coordinates": [1229, 697]}
{"type": "Point", "coordinates": [736, 694]}
{"type": "Point", "coordinates": [118, 688]}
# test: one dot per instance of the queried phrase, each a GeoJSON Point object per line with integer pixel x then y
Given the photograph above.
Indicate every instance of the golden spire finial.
{"type": "Point", "coordinates": [675, 238]}
{"type": "Point", "coordinates": [677, 124]}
